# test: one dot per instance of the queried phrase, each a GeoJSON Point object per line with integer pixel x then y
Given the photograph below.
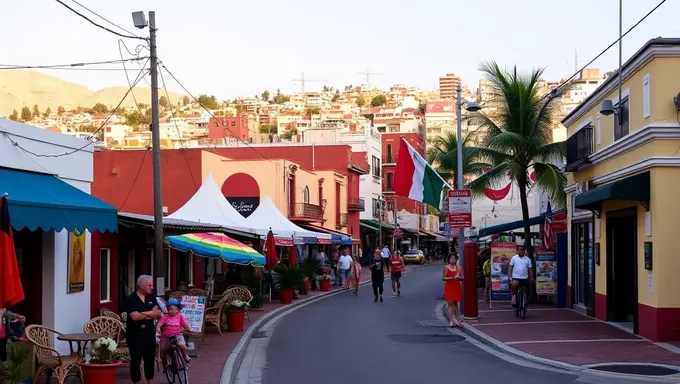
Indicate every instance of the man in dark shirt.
{"type": "Point", "coordinates": [377, 275]}
{"type": "Point", "coordinates": [142, 309]}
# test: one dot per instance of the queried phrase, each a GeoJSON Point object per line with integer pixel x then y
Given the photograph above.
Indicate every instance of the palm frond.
{"type": "Point", "coordinates": [551, 153]}
{"type": "Point", "coordinates": [551, 179]}
{"type": "Point", "coordinates": [492, 179]}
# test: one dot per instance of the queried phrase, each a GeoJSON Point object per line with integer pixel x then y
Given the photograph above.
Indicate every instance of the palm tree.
{"type": "Point", "coordinates": [520, 137]}
{"type": "Point", "coordinates": [443, 155]}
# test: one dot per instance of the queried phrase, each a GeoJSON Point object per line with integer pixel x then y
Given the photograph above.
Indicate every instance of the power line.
{"type": "Point", "coordinates": [99, 25]}
{"type": "Point", "coordinates": [105, 19]}
{"type": "Point", "coordinates": [134, 98]}
{"type": "Point", "coordinates": [139, 171]}
{"type": "Point", "coordinates": [69, 66]}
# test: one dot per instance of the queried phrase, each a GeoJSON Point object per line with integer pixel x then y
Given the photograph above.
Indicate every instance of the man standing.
{"type": "Point", "coordinates": [344, 264]}
{"type": "Point", "coordinates": [386, 256]}
{"type": "Point", "coordinates": [520, 272]}
{"type": "Point", "coordinates": [396, 267]}
{"type": "Point", "coordinates": [377, 275]}
{"type": "Point", "coordinates": [142, 309]}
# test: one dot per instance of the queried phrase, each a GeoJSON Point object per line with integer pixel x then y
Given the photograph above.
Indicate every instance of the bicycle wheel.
{"type": "Point", "coordinates": [523, 311]}
{"type": "Point", "coordinates": [517, 302]}
{"type": "Point", "coordinates": [170, 370]}
{"type": "Point", "coordinates": [182, 371]}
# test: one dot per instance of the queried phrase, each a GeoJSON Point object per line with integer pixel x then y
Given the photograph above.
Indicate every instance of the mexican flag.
{"type": "Point", "coordinates": [415, 178]}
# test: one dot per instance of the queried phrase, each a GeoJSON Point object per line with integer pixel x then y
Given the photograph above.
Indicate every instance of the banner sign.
{"type": "Point", "coordinates": [501, 253]}
{"type": "Point", "coordinates": [460, 208]}
{"type": "Point", "coordinates": [546, 273]}
{"type": "Point", "coordinates": [193, 310]}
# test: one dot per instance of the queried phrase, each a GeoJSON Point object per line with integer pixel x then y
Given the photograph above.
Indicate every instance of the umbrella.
{"type": "Point", "coordinates": [11, 291]}
{"type": "Point", "coordinates": [270, 250]}
{"type": "Point", "coordinates": [216, 245]}
{"type": "Point", "coordinates": [293, 256]}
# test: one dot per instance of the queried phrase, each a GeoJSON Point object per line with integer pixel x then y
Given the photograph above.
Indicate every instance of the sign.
{"type": "Point", "coordinates": [559, 223]}
{"type": "Point", "coordinates": [76, 262]}
{"type": "Point", "coordinates": [193, 310]}
{"type": "Point", "coordinates": [648, 255]}
{"type": "Point", "coordinates": [398, 233]}
{"type": "Point", "coordinates": [501, 253]}
{"type": "Point", "coordinates": [285, 241]}
{"type": "Point", "coordinates": [244, 205]}
{"type": "Point", "coordinates": [460, 208]}
{"type": "Point", "coordinates": [546, 273]}
{"type": "Point", "coordinates": [242, 192]}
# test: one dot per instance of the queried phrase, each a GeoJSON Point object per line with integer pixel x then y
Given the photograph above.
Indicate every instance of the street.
{"type": "Point", "coordinates": [348, 339]}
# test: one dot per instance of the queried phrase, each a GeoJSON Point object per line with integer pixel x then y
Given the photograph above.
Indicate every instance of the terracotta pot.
{"type": "Point", "coordinates": [235, 318]}
{"type": "Point", "coordinates": [324, 285]}
{"type": "Point", "coordinates": [99, 373]}
{"type": "Point", "coordinates": [286, 295]}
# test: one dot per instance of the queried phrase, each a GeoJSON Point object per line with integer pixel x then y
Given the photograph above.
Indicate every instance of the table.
{"type": "Point", "coordinates": [81, 340]}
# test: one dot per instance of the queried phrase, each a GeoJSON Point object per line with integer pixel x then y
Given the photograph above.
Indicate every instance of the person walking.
{"type": "Point", "coordinates": [356, 274]}
{"type": "Point", "coordinates": [396, 268]}
{"type": "Point", "coordinates": [453, 291]}
{"type": "Point", "coordinates": [377, 275]}
{"type": "Point", "coordinates": [486, 271]}
{"type": "Point", "coordinates": [386, 256]}
{"type": "Point", "coordinates": [142, 309]}
{"type": "Point", "coordinates": [344, 265]}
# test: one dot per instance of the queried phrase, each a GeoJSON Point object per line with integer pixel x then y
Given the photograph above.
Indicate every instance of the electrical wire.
{"type": "Point", "coordinates": [134, 98]}
{"type": "Point", "coordinates": [105, 19]}
{"type": "Point", "coordinates": [99, 25]}
{"type": "Point", "coordinates": [134, 181]}
{"type": "Point", "coordinates": [69, 66]}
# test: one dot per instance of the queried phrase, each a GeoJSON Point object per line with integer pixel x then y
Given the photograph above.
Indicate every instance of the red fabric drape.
{"type": "Point", "coordinates": [11, 290]}
{"type": "Point", "coordinates": [293, 256]}
{"type": "Point", "coordinates": [270, 251]}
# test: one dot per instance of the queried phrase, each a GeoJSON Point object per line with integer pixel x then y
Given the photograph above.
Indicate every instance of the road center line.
{"type": "Point", "coordinates": [533, 322]}
{"type": "Point", "coordinates": [569, 341]}
{"type": "Point", "coordinates": [510, 309]}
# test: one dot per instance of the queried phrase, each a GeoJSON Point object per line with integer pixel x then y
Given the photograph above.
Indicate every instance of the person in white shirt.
{"type": "Point", "coordinates": [385, 254]}
{"type": "Point", "coordinates": [520, 272]}
{"type": "Point", "coordinates": [344, 264]}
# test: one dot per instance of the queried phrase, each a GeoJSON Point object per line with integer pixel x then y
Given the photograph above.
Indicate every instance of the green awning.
{"type": "Point", "coordinates": [634, 188]}
{"type": "Point", "coordinates": [510, 226]}
{"type": "Point", "coordinates": [369, 227]}
{"type": "Point", "coordinates": [376, 225]}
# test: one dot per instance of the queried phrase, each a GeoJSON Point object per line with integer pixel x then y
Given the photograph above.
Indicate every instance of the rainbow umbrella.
{"type": "Point", "coordinates": [216, 245]}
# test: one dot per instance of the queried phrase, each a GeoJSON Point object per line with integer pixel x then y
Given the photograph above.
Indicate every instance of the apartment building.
{"type": "Point", "coordinates": [440, 118]}
{"type": "Point", "coordinates": [448, 85]}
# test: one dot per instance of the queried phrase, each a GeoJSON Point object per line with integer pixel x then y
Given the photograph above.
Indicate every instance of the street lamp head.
{"type": "Point", "coordinates": [472, 106]}
{"type": "Point", "coordinates": [139, 19]}
{"type": "Point", "coordinates": [607, 108]}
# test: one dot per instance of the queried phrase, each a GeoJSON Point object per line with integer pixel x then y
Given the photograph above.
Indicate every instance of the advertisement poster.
{"type": "Point", "coordinates": [546, 273]}
{"type": "Point", "coordinates": [460, 208]}
{"type": "Point", "coordinates": [193, 310]}
{"type": "Point", "coordinates": [501, 253]}
{"type": "Point", "coordinates": [76, 262]}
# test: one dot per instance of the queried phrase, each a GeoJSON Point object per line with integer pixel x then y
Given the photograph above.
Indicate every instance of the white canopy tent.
{"type": "Point", "coordinates": [267, 215]}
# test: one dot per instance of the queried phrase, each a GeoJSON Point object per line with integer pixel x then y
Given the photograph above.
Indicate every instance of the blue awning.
{"type": "Point", "coordinates": [336, 237]}
{"type": "Point", "coordinates": [46, 202]}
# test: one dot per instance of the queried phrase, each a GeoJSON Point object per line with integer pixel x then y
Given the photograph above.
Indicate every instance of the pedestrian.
{"type": "Point", "coordinates": [486, 271]}
{"type": "Point", "coordinates": [171, 325]}
{"type": "Point", "coordinates": [344, 264]}
{"type": "Point", "coordinates": [396, 268]}
{"type": "Point", "coordinates": [377, 275]}
{"type": "Point", "coordinates": [356, 274]}
{"type": "Point", "coordinates": [142, 309]}
{"type": "Point", "coordinates": [386, 256]}
{"type": "Point", "coordinates": [453, 291]}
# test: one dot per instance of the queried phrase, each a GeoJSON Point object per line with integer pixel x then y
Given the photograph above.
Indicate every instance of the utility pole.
{"type": "Point", "coordinates": [302, 81]}
{"type": "Point", "coordinates": [368, 74]}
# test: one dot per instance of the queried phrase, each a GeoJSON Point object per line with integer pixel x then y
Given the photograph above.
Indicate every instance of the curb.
{"type": "Point", "coordinates": [500, 346]}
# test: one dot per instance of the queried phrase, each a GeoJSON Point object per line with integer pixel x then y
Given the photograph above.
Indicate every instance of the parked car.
{"type": "Point", "coordinates": [414, 256]}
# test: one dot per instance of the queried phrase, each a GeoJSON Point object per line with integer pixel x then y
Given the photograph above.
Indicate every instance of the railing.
{"type": "Point", "coordinates": [341, 221]}
{"type": "Point", "coordinates": [356, 204]}
{"type": "Point", "coordinates": [579, 147]}
{"type": "Point", "coordinates": [389, 159]}
{"type": "Point", "coordinates": [305, 211]}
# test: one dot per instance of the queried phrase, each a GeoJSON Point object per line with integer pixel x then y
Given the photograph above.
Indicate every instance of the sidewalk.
{"type": "Point", "coordinates": [565, 336]}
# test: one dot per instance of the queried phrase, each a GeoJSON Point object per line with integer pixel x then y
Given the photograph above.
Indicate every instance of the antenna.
{"type": "Point", "coordinates": [576, 61]}
{"type": "Point", "coordinates": [368, 74]}
{"type": "Point", "coordinates": [302, 81]}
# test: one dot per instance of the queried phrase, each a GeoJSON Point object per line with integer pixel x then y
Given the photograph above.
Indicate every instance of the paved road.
{"type": "Point", "coordinates": [346, 339]}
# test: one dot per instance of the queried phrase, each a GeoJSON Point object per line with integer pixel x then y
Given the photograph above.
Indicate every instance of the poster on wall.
{"type": "Point", "coordinates": [546, 273]}
{"type": "Point", "coordinates": [501, 253]}
{"type": "Point", "coordinates": [193, 310]}
{"type": "Point", "coordinates": [76, 262]}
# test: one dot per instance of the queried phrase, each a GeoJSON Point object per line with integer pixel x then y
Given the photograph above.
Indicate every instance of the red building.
{"type": "Point", "coordinates": [221, 127]}
{"type": "Point", "coordinates": [390, 152]}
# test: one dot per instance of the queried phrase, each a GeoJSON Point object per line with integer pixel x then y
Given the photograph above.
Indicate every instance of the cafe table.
{"type": "Point", "coordinates": [80, 339]}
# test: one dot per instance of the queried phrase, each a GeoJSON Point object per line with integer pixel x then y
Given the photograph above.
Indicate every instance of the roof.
{"type": "Point", "coordinates": [136, 218]}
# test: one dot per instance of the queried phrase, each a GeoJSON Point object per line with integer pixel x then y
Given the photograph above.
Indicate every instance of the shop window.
{"type": "Point", "coordinates": [104, 275]}
{"type": "Point", "coordinates": [185, 270]}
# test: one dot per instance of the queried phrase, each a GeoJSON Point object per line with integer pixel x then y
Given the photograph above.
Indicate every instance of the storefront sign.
{"type": "Point", "coordinates": [460, 208]}
{"type": "Point", "coordinates": [648, 255]}
{"type": "Point", "coordinates": [398, 233]}
{"type": "Point", "coordinates": [244, 205]}
{"type": "Point", "coordinates": [193, 310]}
{"type": "Point", "coordinates": [242, 192]}
{"type": "Point", "coordinates": [76, 262]}
{"type": "Point", "coordinates": [559, 223]}
{"type": "Point", "coordinates": [323, 241]}
{"type": "Point", "coordinates": [501, 253]}
{"type": "Point", "coordinates": [283, 241]}
{"type": "Point", "coordinates": [546, 273]}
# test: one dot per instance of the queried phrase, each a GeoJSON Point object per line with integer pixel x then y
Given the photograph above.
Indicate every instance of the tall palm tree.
{"type": "Point", "coordinates": [520, 137]}
{"type": "Point", "coordinates": [443, 155]}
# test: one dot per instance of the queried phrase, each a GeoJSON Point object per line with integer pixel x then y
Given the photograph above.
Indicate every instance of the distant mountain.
{"type": "Point", "coordinates": [27, 88]}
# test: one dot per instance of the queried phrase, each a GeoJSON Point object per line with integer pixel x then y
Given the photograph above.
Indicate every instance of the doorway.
{"type": "Point", "coordinates": [583, 278]}
{"type": "Point", "coordinates": [622, 286]}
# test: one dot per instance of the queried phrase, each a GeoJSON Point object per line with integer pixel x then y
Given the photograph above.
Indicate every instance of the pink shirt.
{"type": "Point", "coordinates": [172, 325]}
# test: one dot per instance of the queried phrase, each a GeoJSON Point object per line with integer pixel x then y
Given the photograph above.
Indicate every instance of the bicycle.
{"type": "Point", "coordinates": [177, 367]}
{"type": "Point", "coordinates": [521, 302]}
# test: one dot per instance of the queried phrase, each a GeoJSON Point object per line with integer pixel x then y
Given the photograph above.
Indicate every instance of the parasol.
{"type": "Point", "coordinates": [216, 245]}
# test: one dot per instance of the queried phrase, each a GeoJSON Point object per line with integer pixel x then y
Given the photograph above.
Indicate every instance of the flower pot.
{"type": "Point", "coordinates": [286, 295]}
{"type": "Point", "coordinates": [99, 373]}
{"type": "Point", "coordinates": [235, 318]}
{"type": "Point", "coordinates": [324, 285]}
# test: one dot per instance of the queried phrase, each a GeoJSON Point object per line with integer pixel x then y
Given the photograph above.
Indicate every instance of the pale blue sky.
{"type": "Point", "coordinates": [235, 48]}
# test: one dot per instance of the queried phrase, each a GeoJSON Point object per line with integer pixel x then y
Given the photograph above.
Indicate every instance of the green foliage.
{"type": "Point", "coordinates": [254, 284]}
{"type": "Point", "coordinates": [163, 101]}
{"type": "Point", "coordinates": [280, 99]}
{"type": "Point", "coordinates": [135, 118]}
{"type": "Point", "coordinates": [265, 95]}
{"type": "Point", "coordinates": [208, 102]}
{"type": "Point", "coordinates": [88, 128]}
{"type": "Point", "coordinates": [290, 277]}
{"type": "Point", "coordinates": [36, 110]}
{"type": "Point", "coordinates": [312, 111]}
{"type": "Point", "coordinates": [14, 116]}
{"type": "Point", "coordinates": [26, 114]}
{"type": "Point", "coordinates": [47, 113]}
{"type": "Point", "coordinates": [100, 108]}
{"type": "Point", "coordinates": [60, 110]}
{"type": "Point", "coordinates": [361, 101]}
{"type": "Point", "coordinates": [443, 155]}
{"type": "Point", "coordinates": [379, 101]}
{"type": "Point", "coordinates": [310, 267]}
{"type": "Point", "coordinates": [336, 96]}
{"type": "Point", "coordinates": [268, 128]}
{"type": "Point", "coordinates": [13, 371]}
{"type": "Point", "coordinates": [186, 100]}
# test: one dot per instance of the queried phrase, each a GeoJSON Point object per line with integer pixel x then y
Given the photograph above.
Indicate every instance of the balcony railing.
{"type": "Point", "coordinates": [389, 159]}
{"type": "Point", "coordinates": [579, 147]}
{"type": "Point", "coordinates": [309, 212]}
{"type": "Point", "coordinates": [341, 221]}
{"type": "Point", "coordinates": [356, 204]}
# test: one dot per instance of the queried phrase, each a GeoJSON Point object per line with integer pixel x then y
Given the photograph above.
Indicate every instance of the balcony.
{"type": "Point", "coordinates": [579, 147]}
{"type": "Point", "coordinates": [341, 221]}
{"type": "Point", "coordinates": [356, 204]}
{"type": "Point", "coordinates": [307, 212]}
{"type": "Point", "coordinates": [389, 159]}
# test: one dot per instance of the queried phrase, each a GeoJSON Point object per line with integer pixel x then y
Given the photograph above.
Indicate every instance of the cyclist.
{"type": "Point", "coordinates": [171, 325]}
{"type": "Point", "coordinates": [520, 272]}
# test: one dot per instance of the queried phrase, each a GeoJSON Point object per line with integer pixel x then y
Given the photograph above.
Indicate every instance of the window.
{"type": "Point", "coordinates": [376, 208]}
{"type": "Point", "coordinates": [185, 270]}
{"type": "Point", "coordinates": [376, 166]}
{"type": "Point", "coordinates": [621, 129]}
{"type": "Point", "coordinates": [216, 124]}
{"type": "Point", "coordinates": [646, 97]}
{"type": "Point", "coordinates": [233, 123]}
{"type": "Point", "coordinates": [305, 195]}
{"type": "Point", "coordinates": [104, 275]}
{"type": "Point", "coordinates": [389, 153]}
{"type": "Point", "coordinates": [390, 179]}
{"type": "Point", "coordinates": [598, 135]}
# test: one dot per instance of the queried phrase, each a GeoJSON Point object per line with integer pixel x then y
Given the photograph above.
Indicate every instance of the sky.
{"type": "Point", "coordinates": [240, 48]}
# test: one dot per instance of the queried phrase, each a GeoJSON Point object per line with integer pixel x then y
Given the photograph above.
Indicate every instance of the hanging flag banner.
{"type": "Point", "coordinates": [460, 208]}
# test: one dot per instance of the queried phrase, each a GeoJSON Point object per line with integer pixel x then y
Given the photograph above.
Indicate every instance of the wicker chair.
{"type": "Point", "coordinates": [197, 292]}
{"type": "Point", "coordinates": [48, 357]}
{"type": "Point", "coordinates": [109, 313]}
{"type": "Point", "coordinates": [213, 315]}
{"type": "Point", "coordinates": [112, 328]}
{"type": "Point", "coordinates": [177, 295]}
{"type": "Point", "coordinates": [239, 292]}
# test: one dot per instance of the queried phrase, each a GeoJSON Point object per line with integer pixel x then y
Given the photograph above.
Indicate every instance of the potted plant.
{"type": "Point", "coordinates": [236, 314]}
{"type": "Point", "coordinates": [324, 282]}
{"type": "Point", "coordinates": [101, 369]}
{"type": "Point", "coordinates": [290, 277]}
{"type": "Point", "coordinates": [14, 370]}
{"type": "Point", "coordinates": [310, 266]}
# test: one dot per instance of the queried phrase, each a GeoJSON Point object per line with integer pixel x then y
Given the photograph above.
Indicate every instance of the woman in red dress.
{"type": "Point", "coordinates": [453, 292]}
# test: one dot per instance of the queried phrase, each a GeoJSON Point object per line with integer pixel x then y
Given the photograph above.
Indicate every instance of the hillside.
{"type": "Point", "coordinates": [27, 88]}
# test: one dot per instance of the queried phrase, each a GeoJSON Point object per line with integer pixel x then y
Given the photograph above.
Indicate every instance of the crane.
{"type": "Point", "coordinates": [302, 81]}
{"type": "Point", "coordinates": [368, 74]}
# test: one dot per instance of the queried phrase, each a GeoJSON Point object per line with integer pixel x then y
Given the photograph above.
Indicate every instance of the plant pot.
{"type": "Point", "coordinates": [286, 295]}
{"type": "Point", "coordinates": [324, 285]}
{"type": "Point", "coordinates": [99, 373]}
{"type": "Point", "coordinates": [235, 318]}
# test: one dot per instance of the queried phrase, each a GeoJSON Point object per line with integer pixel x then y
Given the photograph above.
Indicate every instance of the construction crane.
{"type": "Point", "coordinates": [368, 74]}
{"type": "Point", "coordinates": [302, 81]}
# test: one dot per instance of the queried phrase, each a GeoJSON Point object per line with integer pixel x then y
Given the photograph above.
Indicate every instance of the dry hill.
{"type": "Point", "coordinates": [27, 88]}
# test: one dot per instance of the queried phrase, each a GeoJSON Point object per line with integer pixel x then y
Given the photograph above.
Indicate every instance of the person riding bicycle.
{"type": "Point", "coordinates": [520, 272]}
{"type": "Point", "coordinates": [170, 325]}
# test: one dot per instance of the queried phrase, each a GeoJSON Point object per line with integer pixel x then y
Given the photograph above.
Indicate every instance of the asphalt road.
{"type": "Point", "coordinates": [347, 339]}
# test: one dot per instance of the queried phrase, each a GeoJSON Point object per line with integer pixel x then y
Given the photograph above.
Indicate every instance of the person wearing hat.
{"type": "Point", "coordinates": [171, 325]}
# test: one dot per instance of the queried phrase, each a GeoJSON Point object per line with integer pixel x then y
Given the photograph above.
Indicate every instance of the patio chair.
{"type": "Point", "coordinates": [112, 328]}
{"type": "Point", "coordinates": [197, 292]}
{"type": "Point", "coordinates": [177, 295]}
{"type": "Point", "coordinates": [239, 292]}
{"type": "Point", "coordinates": [49, 360]}
{"type": "Point", "coordinates": [213, 315]}
{"type": "Point", "coordinates": [109, 313]}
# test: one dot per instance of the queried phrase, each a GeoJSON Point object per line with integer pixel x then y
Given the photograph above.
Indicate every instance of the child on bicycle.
{"type": "Point", "coordinates": [171, 325]}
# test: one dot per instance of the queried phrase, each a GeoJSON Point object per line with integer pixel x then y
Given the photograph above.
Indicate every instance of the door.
{"type": "Point", "coordinates": [28, 247]}
{"type": "Point", "coordinates": [622, 303]}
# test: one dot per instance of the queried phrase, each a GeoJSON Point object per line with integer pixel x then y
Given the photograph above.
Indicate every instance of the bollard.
{"type": "Point", "coordinates": [470, 310]}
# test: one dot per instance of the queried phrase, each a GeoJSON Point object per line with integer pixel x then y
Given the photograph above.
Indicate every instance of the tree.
{"type": "Point", "coordinates": [519, 138]}
{"type": "Point", "coordinates": [421, 107]}
{"type": "Point", "coordinates": [26, 114]}
{"type": "Point", "coordinates": [186, 100]}
{"type": "Point", "coordinates": [268, 128]}
{"type": "Point", "coordinates": [348, 87]}
{"type": "Point", "coordinates": [336, 96]}
{"type": "Point", "coordinates": [279, 98]}
{"type": "Point", "coordinates": [163, 101]}
{"type": "Point", "coordinates": [136, 119]}
{"type": "Point", "coordinates": [100, 108]}
{"type": "Point", "coordinates": [36, 111]}
{"type": "Point", "coordinates": [88, 128]}
{"type": "Point", "coordinates": [60, 110]}
{"type": "Point", "coordinates": [265, 95]}
{"type": "Point", "coordinates": [240, 109]}
{"type": "Point", "coordinates": [312, 111]}
{"type": "Point", "coordinates": [443, 155]}
{"type": "Point", "coordinates": [361, 102]}
{"type": "Point", "coordinates": [14, 116]}
{"type": "Point", "coordinates": [142, 106]}
{"type": "Point", "coordinates": [379, 101]}
{"type": "Point", "coordinates": [47, 113]}
{"type": "Point", "coordinates": [208, 102]}
{"type": "Point", "coordinates": [607, 74]}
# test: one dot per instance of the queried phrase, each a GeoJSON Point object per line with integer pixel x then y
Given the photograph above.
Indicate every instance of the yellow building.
{"type": "Point", "coordinates": [623, 184]}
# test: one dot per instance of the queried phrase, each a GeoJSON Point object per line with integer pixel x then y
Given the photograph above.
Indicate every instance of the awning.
{"type": "Point", "coordinates": [369, 227]}
{"type": "Point", "coordinates": [336, 237]}
{"type": "Point", "coordinates": [510, 226]}
{"type": "Point", "coordinates": [634, 188]}
{"type": "Point", "coordinates": [40, 201]}
{"type": "Point", "coordinates": [376, 224]}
